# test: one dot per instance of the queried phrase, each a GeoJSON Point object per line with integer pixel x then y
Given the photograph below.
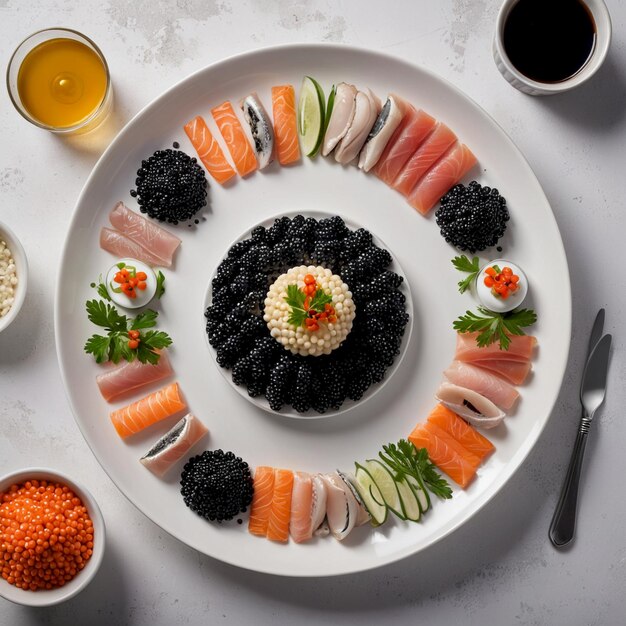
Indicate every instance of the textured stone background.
{"type": "Point", "coordinates": [499, 568]}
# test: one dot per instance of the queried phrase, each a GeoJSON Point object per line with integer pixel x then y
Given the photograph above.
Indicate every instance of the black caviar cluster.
{"type": "Point", "coordinates": [217, 485]}
{"type": "Point", "coordinates": [240, 336]}
{"type": "Point", "coordinates": [473, 217]}
{"type": "Point", "coordinates": [171, 186]}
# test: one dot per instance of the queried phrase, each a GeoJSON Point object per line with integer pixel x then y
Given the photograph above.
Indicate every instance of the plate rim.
{"type": "Point", "coordinates": [566, 316]}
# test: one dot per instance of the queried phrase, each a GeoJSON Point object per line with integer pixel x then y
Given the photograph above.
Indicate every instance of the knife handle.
{"type": "Point", "coordinates": [564, 520]}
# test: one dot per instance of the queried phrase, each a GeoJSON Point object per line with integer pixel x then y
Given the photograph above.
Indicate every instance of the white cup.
{"type": "Point", "coordinates": [535, 88]}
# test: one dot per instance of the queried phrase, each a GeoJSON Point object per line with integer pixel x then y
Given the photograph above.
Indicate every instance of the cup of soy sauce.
{"type": "Point", "coordinates": [544, 47]}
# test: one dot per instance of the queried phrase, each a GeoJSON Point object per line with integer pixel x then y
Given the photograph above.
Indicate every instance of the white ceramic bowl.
{"type": "Point", "coordinates": [48, 597]}
{"type": "Point", "coordinates": [21, 265]}
{"type": "Point", "coordinates": [534, 88]}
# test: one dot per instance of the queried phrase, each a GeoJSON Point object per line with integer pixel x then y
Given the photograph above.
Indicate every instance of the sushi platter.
{"type": "Point", "coordinates": [364, 325]}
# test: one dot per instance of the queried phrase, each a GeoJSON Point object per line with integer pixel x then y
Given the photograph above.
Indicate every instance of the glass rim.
{"type": "Point", "coordinates": [87, 120]}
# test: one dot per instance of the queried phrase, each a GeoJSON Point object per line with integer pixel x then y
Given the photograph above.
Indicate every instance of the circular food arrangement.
{"type": "Point", "coordinates": [308, 314]}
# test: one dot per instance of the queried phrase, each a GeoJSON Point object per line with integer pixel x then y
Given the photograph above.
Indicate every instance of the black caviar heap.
{"type": "Point", "coordinates": [171, 186]}
{"type": "Point", "coordinates": [472, 218]}
{"type": "Point", "coordinates": [237, 331]}
{"type": "Point", "coordinates": [217, 485]}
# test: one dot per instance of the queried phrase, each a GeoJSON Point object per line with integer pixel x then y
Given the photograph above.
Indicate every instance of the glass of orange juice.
{"type": "Point", "coordinates": [59, 80]}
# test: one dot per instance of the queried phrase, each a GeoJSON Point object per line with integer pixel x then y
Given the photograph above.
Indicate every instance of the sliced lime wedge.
{"type": "Point", "coordinates": [311, 116]}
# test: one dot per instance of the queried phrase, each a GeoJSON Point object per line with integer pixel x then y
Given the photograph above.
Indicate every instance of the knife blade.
{"type": "Point", "coordinates": [596, 333]}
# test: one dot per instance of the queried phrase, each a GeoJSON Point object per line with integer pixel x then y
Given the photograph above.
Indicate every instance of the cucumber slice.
{"type": "Point", "coordinates": [410, 503]}
{"type": "Point", "coordinates": [311, 116]}
{"type": "Point", "coordinates": [370, 495]}
{"type": "Point", "coordinates": [420, 492]}
{"type": "Point", "coordinates": [386, 483]}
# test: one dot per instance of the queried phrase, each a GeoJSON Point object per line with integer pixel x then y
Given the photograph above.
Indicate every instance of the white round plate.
{"type": "Point", "coordinates": [348, 405]}
{"type": "Point", "coordinates": [532, 240]}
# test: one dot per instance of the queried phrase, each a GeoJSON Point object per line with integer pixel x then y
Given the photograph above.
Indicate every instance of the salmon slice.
{"type": "Point", "coordinates": [280, 513]}
{"type": "Point", "coordinates": [407, 138]}
{"type": "Point", "coordinates": [174, 445]}
{"type": "Point", "coordinates": [209, 151]}
{"type": "Point", "coordinates": [235, 138]}
{"type": "Point", "coordinates": [153, 408]}
{"type": "Point", "coordinates": [441, 177]}
{"type": "Point", "coordinates": [515, 372]}
{"type": "Point", "coordinates": [493, 387]}
{"type": "Point", "coordinates": [127, 377]}
{"type": "Point", "coordinates": [443, 456]}
{"type": "Point", "coordinates": [301, 506]}
{"type": "Point", "coordinates": [458, 428]}
{"type": "Point", "coordinates": [261, 500]}
{"type": "Point", "coordinates": [285, 124]}
{"type": "Point", "coordinates": [429, 152]}
{"type": "Point", "coordinates": [122, 246]}
{"type": "Point", "coordinates": [461, 450]}
{"type": "Point", "coordinates": [520, 349]}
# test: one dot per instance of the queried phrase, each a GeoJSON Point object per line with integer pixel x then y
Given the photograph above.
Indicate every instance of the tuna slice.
{"type": "Point", "coordinates": [448, 460]}
{"type": "Point", "coordinates": [153, 238]}
{"type": "Point", "coordinates": [301, 506]}
{"type": "Point", "coordinates": [121, 380]}
{"type": "Point", "coordinates": [174, 445]}
{"type": "Point", "coordinates": [413, 130]}
{"type": "Point", "coordinates": [261, 500]}
{"type": "Point", "coordinates": [365, 114]}
{"type": "Point", "coordinates": [122, 246]}
{"type": "Point", "coordinates": [429, 152]}
{"type": "Point", "coordinates": [446, 173]}
{"type": "Point", "coordinates": [492, 387]}
{"type": "Point", "coordinates": [385, 125]}
{"type": "Point", "coordinates": [515, 372]}
{"type": "Point", "coordinates": [340, 118]}
{"type": "Point", "coordinates": [520, 349]}
{"type": "Point", "coordinates": [463, 432]}
{"type": "Point", "coordinates": [472, 406]}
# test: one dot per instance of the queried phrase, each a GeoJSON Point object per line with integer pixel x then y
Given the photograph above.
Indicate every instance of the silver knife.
{"type": "Point", "coordinates": [592, 394]}
{"type": "Point", "coordinates": [596, 333]}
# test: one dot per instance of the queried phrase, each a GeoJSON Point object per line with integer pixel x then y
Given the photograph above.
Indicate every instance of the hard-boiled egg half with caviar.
{"type": "Point", "coordinates": [501, 286]}
{"type": "Point", "coordinates": [131, 283]}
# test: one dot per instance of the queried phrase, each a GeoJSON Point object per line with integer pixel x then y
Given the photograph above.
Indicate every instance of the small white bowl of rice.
{"type": "Point", "coordinates": [13, 276]}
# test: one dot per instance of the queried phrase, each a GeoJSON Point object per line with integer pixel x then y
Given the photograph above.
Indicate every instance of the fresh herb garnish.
{"type": "Point", "coordinates": [114, 346]}
{"type": "Point", "coordinates": [463, 264]}
{"type": "Point", "coordinates": [492, 326]}
{"type": "Point", "coordinates": [407, 460]}
{"type": "Point", "coordinates": [300, 309]}
{"type": "Point", "coordinates": [101, 288]}
{"type": "Point", "coordinates": [160, 286]}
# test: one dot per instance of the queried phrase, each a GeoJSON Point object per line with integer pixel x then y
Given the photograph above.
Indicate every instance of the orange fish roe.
{"type": "Point", "coordinates": [46, 535]}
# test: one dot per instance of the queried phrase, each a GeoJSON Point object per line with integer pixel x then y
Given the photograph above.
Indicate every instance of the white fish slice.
{"type": "Point", "coordinates": [341, 507]}
{"type": "Point", "coordinates": [365, 114]}
{"type": "Point", "coordinates": [340, 118]}
{"type": "Point", "coordinates": [260, 127]}
{"type": "Point", "coordinates": [470, 405]}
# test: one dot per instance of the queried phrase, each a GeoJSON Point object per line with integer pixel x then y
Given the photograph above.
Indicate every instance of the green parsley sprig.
{"type": "Point", "coordinates": [492, 326]}
{"type": "Point", "coordinates": [296, 300]}
{"type": "Point", "coordinates": [407, 460]}
{"type": "Point", "coordinates": [114, 345]}
{"type": "Point", "coordinates": [463, 264]}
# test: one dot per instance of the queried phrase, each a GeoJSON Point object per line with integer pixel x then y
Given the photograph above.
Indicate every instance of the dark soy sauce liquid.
{"type": "Point", "coordinates": [549, 40]}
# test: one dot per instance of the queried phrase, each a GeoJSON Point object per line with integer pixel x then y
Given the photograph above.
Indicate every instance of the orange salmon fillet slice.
{"type": "Point", "coordinates": [261, 500]}
{"type": "Point", "coordinates": [285, 124]}
{"type": "Point", "coordinates": [153, 408]}
{"type": "Point", "coordinates": [463, 432]}
{"type": "Point", "coordinates": [443, 456]}
{"type": "Point", "coordinates": [209, 150]}
{"type": "Point", "coordinates": [235, 138]}
{"type": "Point", "coordinates": [280, 514]}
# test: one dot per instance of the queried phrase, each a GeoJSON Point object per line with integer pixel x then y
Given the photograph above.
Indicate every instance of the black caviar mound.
{"type": "Point", "coordinates": [171, 186]}
{"type": "Point", "coordinates": [472, 218]}
{"type": "Point", "coordinates": [217, 485]}
{"type": "Point", "coordinates": [240, 336]}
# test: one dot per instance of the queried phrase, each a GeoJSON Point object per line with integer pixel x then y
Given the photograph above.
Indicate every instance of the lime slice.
{"type": "Point", "coordinates": [386, 485]}
{"type": "Point", "coordinates": [311, 116]}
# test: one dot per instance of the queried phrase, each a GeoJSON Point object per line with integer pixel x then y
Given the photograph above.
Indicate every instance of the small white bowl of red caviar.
{"type": "Point", "coordinates": [52, 537]}
{"type": "Point", "coordinates": [501, 285]}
